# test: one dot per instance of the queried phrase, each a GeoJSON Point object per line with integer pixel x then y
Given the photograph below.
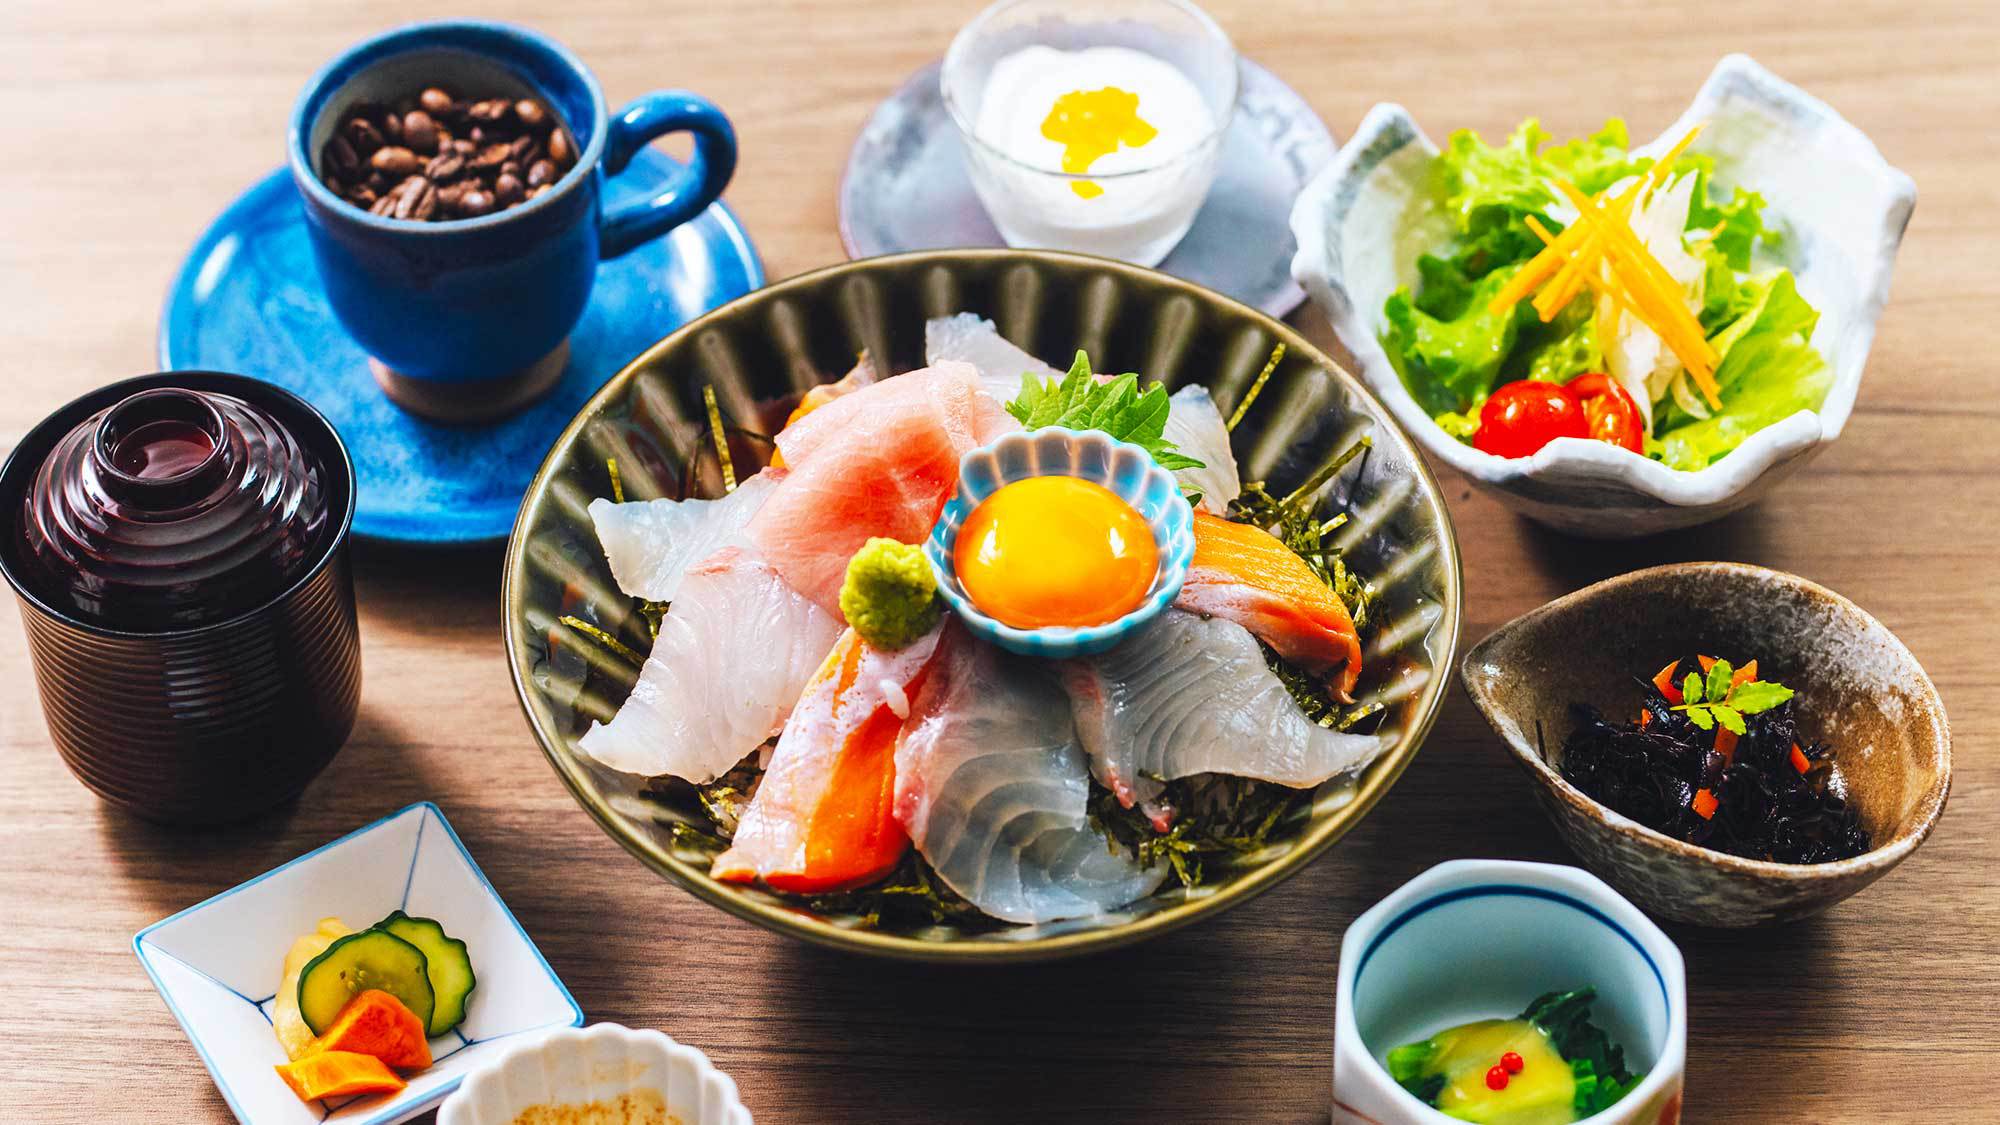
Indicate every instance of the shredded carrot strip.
{"type": "Point", "coordinates": [1704, 804]}
{"type": "Point", "coordinates": [1799, 760]}
{"type": "Point", "coordinates": [1725, 743]}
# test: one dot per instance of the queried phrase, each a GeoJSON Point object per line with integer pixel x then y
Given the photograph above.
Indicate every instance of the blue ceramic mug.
{"type": "Point", "coordinates": [469, 318]}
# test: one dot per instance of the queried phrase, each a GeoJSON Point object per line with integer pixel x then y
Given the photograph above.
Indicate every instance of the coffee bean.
{"type": "Point", "coordinates": [491, 156]}
{"type": "Point", "coordinates": [432, 156]}
{"type": "Point", "coordinates": [445, 166]}
{"type": "Point", "coordinates": [420, 133]}
{"type": "Point", "coordinates": [363, 135]}
{"type": "Point", "coordinates": [417, 199]}
{"type": "Point", "coordinates": [340, 157]}
{"type": "Point", "coordinates": [490, 112]}
{"type": "Point", "coordinates": [525, 149]}
{"type": "Point", "coordinates": [396, 160]}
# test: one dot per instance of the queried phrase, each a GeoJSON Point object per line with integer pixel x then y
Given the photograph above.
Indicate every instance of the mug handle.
{"type": "Point", "coordinates": [691, 189]}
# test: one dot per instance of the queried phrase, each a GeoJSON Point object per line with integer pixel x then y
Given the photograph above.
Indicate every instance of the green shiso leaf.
{"type": "Point", "coordinates": [1117, 407]}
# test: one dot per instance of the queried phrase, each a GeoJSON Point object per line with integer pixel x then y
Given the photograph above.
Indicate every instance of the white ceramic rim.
{"type": "Point", "coordinates": [1458, 874]}
{"type": "Point", "coordinates": [1568, 463]}
{"type": "Point", "coordinates": [592, 1037]}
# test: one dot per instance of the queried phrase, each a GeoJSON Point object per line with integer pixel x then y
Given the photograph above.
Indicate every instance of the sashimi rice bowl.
{"type": "Point", "coordinates": [1155, 672]}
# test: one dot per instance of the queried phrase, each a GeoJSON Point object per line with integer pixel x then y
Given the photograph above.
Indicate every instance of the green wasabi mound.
{"type": "Point", "coordinates": [890, 596]}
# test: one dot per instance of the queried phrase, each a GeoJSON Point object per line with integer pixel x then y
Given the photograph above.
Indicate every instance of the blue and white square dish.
{"type": "Point", "coordinates": [217, 965]}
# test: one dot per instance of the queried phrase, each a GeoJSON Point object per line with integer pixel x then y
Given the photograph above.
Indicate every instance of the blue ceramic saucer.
{"type": "Point", "coordinates": [248, 300]}
{"type": "Point", "coordinates": [906, 188]}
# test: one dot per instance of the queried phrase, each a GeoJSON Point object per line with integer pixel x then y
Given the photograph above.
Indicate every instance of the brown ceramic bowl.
{"type": "Point", "coordinates": [760, 352]}
{"type": "Point", "coordinates": [1860, 691]}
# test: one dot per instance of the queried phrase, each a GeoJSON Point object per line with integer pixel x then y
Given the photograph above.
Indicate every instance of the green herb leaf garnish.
{"type": "Point", "coordinates": [1718, 700]}
{"type": "Point", "coordinates": [1117, 407]}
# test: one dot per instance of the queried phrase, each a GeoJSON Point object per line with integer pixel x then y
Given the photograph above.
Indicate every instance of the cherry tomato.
{"type": "Point", "coordinates": [1609, 411]}
{"type": "Point", "coordinates": [1520, 418]}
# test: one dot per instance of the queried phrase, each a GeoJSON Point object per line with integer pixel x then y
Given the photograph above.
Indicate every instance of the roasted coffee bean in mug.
{"type": "Point", "coordinates": [435, 156]}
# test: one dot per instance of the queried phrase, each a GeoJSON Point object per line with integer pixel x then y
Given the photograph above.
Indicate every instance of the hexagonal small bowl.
{"type": "Point", "coordinates": [1092, 455]}
{"type": "Point", "coordinates": [1860, 691]}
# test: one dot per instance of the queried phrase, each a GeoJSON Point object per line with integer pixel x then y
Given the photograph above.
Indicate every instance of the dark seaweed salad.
{"type": "Point", "coordinates": [1743, 782]}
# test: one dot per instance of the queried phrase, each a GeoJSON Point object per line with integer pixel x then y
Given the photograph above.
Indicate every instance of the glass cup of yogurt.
{"type": "Point", "coordinates": [1092, 126]}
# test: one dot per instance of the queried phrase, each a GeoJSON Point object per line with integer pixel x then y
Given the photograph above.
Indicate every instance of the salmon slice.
{"type": "Point", "coordinates": [880, 461]}
{"type": "Point", "coordinates": [1247, 575]}
{"type": "Point", "coordinates": [824, 817]}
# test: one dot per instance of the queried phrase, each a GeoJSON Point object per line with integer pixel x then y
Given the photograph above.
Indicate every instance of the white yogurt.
{"type": "Point", "coordinates": [1140, 215]}
{"type": "Point", "coordinates": [1025, 85]}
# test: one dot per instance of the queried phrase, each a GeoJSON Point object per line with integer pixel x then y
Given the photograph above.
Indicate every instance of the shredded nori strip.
{"type": "Point", "coordinates": [1768, 810]}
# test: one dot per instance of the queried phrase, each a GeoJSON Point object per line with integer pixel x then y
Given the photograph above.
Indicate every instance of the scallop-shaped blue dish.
{"type": "Point", "coordinates": [1090, 455]}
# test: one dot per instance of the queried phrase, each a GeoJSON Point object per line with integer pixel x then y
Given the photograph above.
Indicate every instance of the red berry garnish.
{"type": "Point", "coordinates": [1513, 1062]}
{"type": "Point", "coordinates": [1496, 1079]}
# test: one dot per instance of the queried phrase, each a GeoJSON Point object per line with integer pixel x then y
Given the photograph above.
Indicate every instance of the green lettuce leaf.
{"type": "Point", "coordinates": [1450, 364]}
{"type": "Point", "coordinates": [1560, 350]}
{"type": "Point", "coordinates": [1769, 371]}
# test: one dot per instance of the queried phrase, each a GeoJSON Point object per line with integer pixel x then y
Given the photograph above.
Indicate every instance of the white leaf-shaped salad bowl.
{"type": "Point", "coordinates": [1840, 209]}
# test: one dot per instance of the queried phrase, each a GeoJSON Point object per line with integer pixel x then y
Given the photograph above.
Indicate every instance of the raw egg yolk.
{"type": "Point", "coordinates": [1093, 123]}
{"type": "Point", "coordinates": [1055, 551]}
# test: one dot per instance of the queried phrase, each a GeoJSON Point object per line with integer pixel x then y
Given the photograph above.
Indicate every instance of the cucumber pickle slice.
{"type": "Point", "coordinates": [356, 963]}
{"type": "Point", "coordinates": [450, 967]}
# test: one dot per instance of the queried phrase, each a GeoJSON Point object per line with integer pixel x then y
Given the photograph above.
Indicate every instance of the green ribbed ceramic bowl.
{"type": "Point", "coordinates": [761, 351]}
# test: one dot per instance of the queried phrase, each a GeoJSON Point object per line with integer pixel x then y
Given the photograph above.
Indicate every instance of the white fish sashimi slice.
{"type": "Point", "coordinates": [1197, 429]}
{"type": "Point", "coordinates": [651, 543]}
{"type": "Point", "coordinates": [993, 790]}
{"type": "Point", "coordinates": [1190, 695]}
{"type": "Point", "coordinates": [971, 338]}
{"type": "Point", "coordinates": [731, 659]}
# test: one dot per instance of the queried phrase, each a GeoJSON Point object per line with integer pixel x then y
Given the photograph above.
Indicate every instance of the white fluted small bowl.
{"type": "Point", "coordinates": [1840, 207]}
{"type": "Point", "coordinates": [1091, 455]}
{"type": "Point", "coordinates": [576, 1066]}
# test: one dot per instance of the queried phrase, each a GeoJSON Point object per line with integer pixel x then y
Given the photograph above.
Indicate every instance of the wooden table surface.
{"type": "Point", "coordinates": [129, 123]}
